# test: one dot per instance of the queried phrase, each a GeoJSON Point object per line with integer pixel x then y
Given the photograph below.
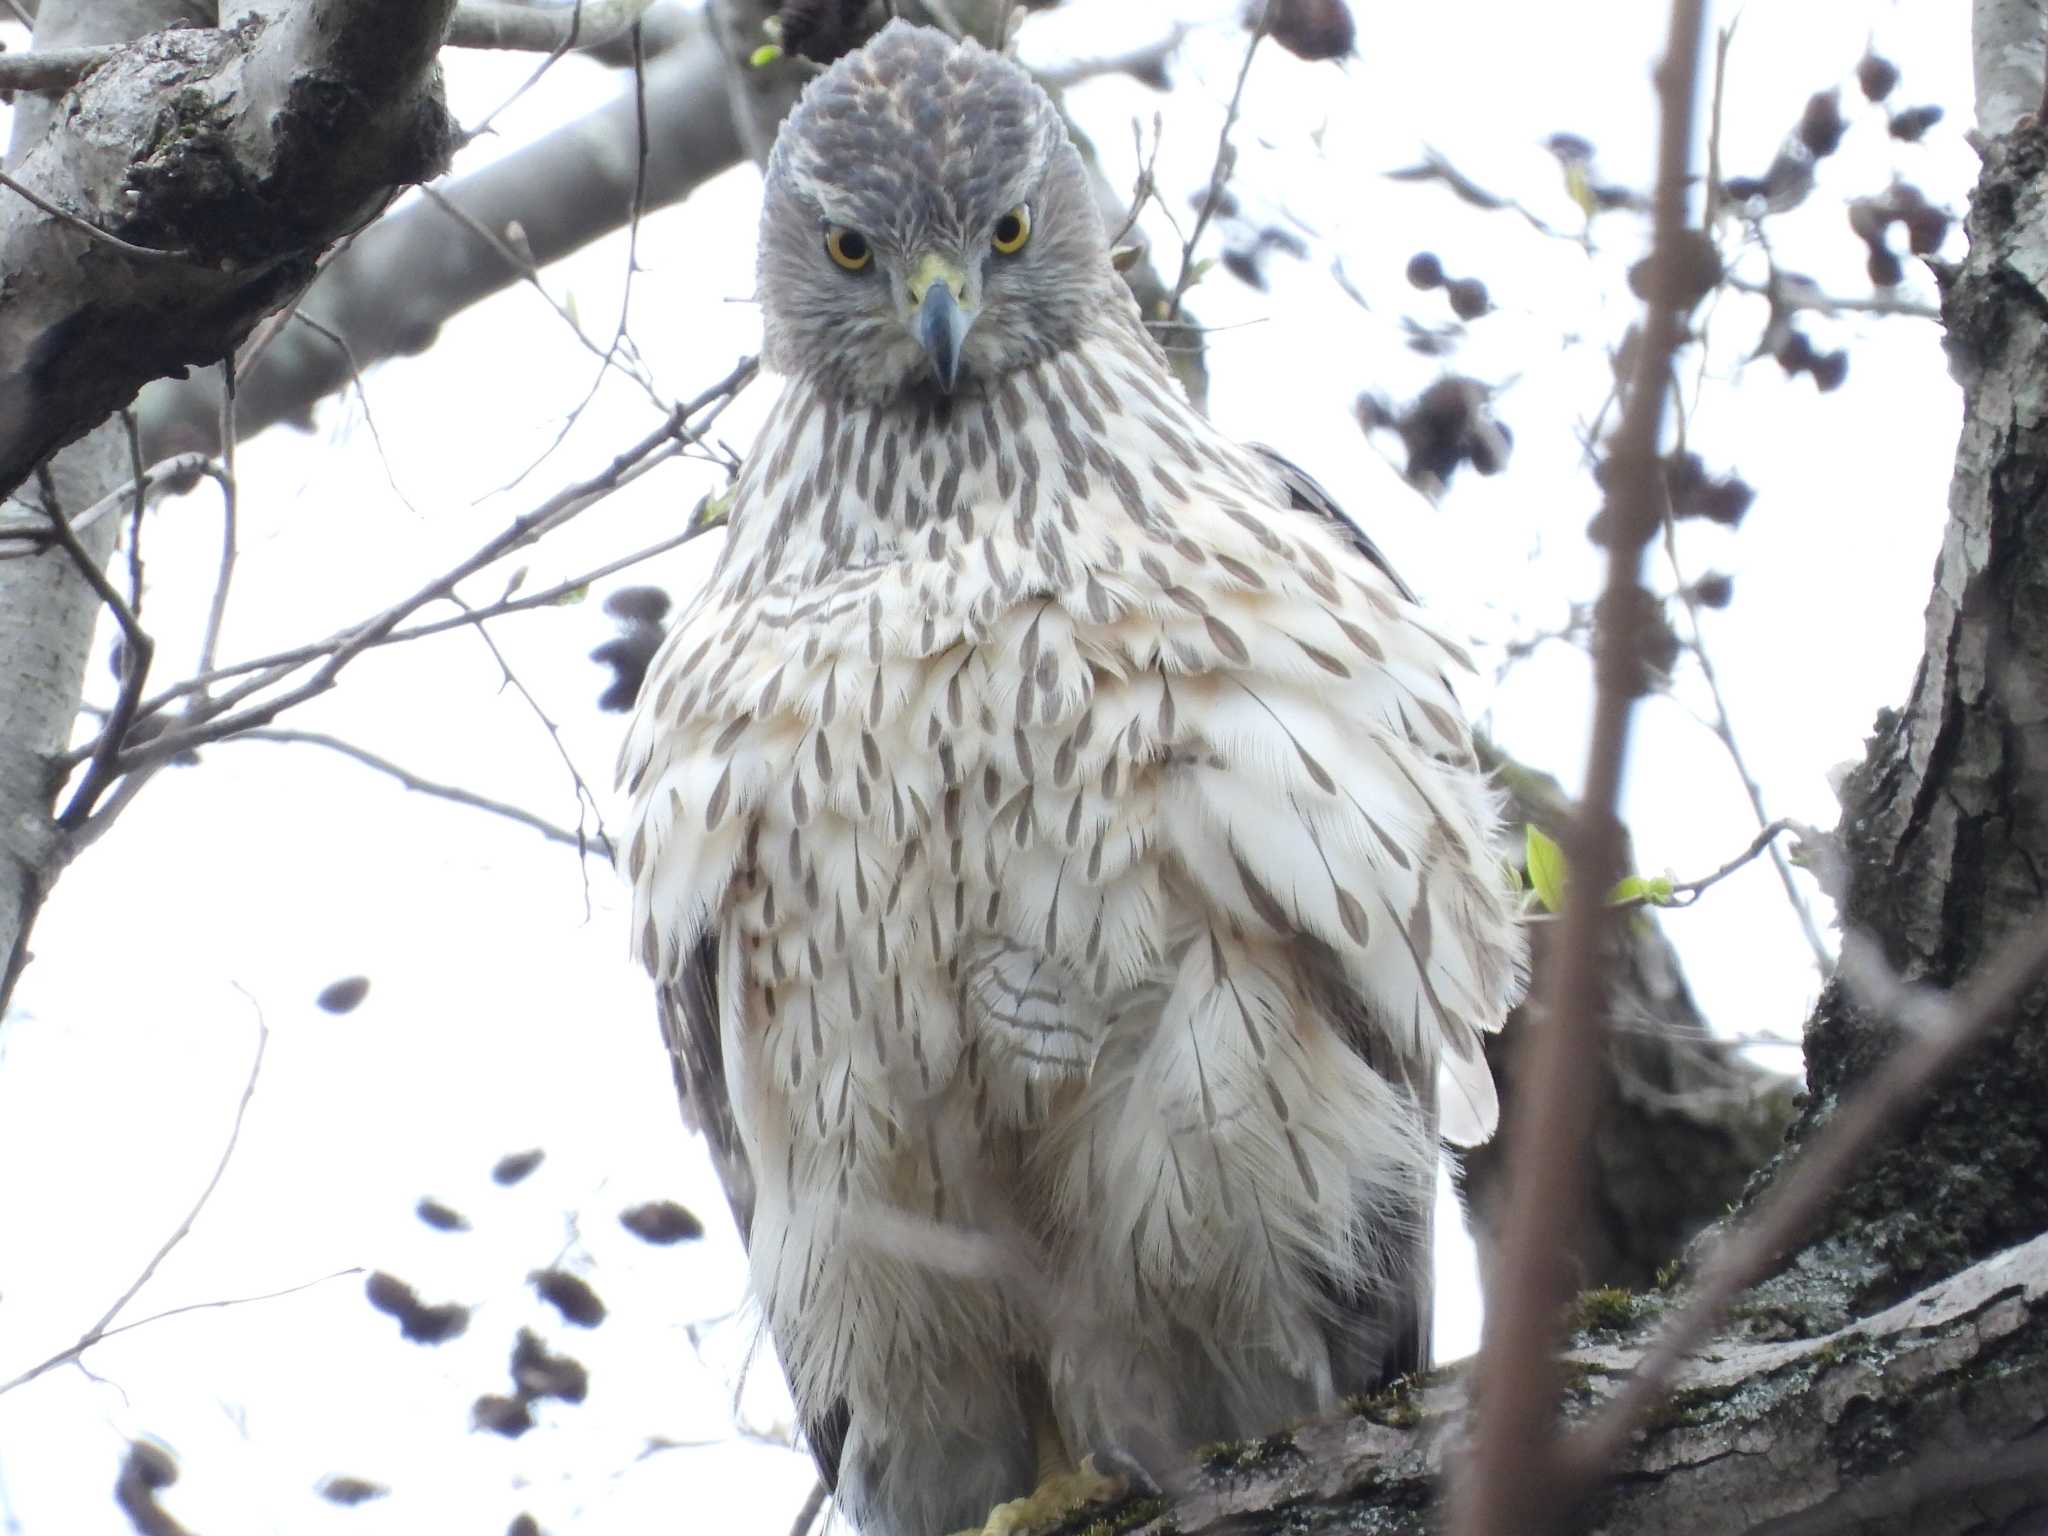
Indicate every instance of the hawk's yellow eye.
{"type": "Point", "coordinates": [848, 247]}
{"type": "Point", "coordinates": [1012, 230]}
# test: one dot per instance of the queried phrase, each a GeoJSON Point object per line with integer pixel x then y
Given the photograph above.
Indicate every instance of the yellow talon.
{"type": "Point", "coordinates": [1052, 1501]}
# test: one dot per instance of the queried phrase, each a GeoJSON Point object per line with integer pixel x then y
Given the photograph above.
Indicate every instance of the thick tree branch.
{"type": "Point", "coordinates": [390, 291]}
{"type": "Point", "coordinates": [2007, 42]}
{"type": "Point", "coordinates": [277, 140]}
{"type": "Point", "coordinates": [1918, 1419]}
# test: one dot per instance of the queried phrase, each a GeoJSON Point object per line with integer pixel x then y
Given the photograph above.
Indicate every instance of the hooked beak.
{"type": "Point", "coordinates": [941, 323]}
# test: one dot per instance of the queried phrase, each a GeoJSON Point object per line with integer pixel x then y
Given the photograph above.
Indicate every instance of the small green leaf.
{"type": "Point", "coordinates": [712, 511]}
{"type": "Point", "coordinates": [1547, 868]}
{"type": "Point", "coordinates": [573, 596]}
{"type": "Point", "coordinates": [764, 55]}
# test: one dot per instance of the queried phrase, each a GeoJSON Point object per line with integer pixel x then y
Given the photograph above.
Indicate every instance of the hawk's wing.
{"type": "Point", "coordinates": [690, 1028]}
{"type": "Point", "coordinates": [1308, 495]}
{"type": "Point", "coordinates": [1368, 1347]}
{"type": "Point", "coordinates": [1378, 1333]}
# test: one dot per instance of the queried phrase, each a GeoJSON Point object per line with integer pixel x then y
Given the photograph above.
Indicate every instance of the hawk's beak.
{"type": "Point", "coordinates": [941, 323]}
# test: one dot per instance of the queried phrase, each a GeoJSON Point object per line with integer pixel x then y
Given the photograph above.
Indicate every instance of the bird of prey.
{"type": "Point", "coordinates": [1062, 860]}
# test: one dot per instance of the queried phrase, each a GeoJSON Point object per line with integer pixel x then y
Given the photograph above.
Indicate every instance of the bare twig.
{"type": "Point", "coordinates": [217, 721]}
{"type": "Point", "coordinates": [1690, 890]}
{"type": "Point", "coordinates": [808, 1515]}
{"type": "Point", "coordinates": [86, 227]}
{"type": "Point", "coordinates": [73, 1351]}
{"type": "Point", "coordinates": [1723, 727]}
{"type": "Point", "coordinates": [1712, 211]}
{"type": "Point", "coordinates": [217, 610]}
{"type": "Point", "coordinates": [523, 264]}
{"type": "Point", "coordinates": [568, 39]}
{"type": "Point", "coordinates": [620, 342]}
{"type": "Point", "coordinates": [534, 29]}
{"type": "Point", "coordinates": [177, 467]}
{"type": "Point", "coordinates": [140, 650]}
{"type": "Point", "coordinates": [103, 1327]}
{"type": "Point", "coordinates": [1798, 1193]}
{"type": "Point", "coordinates": [1786, 295]}
{"type": "Point", "coordinates": [585, 799]}
{"type": "Point", "coordinates": [1513, 1483]}
{"type": "Point", "coordinates": [1219, 173]}
{"type": "Point", "coordinates": [355, 375]}
{"type": "Point", "coordinates": [547, 597]}
{"type": "Point", "coordinates": [424, 786]}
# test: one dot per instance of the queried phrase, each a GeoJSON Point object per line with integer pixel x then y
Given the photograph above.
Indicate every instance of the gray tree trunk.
{"type": "Point", "coordinates": [281, 137]}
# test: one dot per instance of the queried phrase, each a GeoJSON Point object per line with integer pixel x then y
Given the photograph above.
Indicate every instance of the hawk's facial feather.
{"type": "Point", "coordinates": [931, 155]}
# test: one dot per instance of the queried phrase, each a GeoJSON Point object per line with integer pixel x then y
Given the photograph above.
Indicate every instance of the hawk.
{"type": "Point", "coordinates": [1061, 857]}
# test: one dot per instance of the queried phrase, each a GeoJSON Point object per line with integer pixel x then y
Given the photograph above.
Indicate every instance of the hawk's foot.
{"type": "Point", "coordinates": [1055, 1499]}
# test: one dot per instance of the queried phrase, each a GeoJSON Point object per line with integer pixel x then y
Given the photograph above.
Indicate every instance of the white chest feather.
{"type": "Point", "coordinates": [1034, 768]}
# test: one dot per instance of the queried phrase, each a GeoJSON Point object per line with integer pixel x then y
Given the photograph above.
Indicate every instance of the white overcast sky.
{"type": "Point", "coordinates": [503, 1012]}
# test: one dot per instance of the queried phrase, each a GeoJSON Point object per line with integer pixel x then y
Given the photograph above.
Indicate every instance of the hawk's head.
{"type": "Point", "coordinates": [927, 223]}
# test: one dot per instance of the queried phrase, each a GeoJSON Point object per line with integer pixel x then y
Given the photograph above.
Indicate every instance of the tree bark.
{"type": "Point", "coordinates": [244, 152]}
{"type": "Point", "coordinates": [1946, 832]}
{"type": "Point", "coordinates": [235, 157]}
{"type": "Point", "coordinates": [389, 293]}
{"type": "Point", "coordinates": [1920, 1420]}
{"type": "Point", "coordinates": [48, 610]}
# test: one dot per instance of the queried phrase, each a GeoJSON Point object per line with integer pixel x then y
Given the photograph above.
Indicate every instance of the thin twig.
{"type": "Point", "coordinates": [217, 610]}
{"type": "Point", "coordinates": [620, 342]}
{"type": "Point", "coordinates": [1712, 209]}
{"type": "Point", "coordinates": [355, 374]}
{"type": "Point", "coordinates": [521, 263]}
{"type": "Point", "coordinates": [548, 597]}
{"type": "Point", "coordinates": [73, 1351]}
{"type": "Point", "coordinates": [570, 41]}
{"type": "Point", "coordinates": [85, 227]}
{"type": "Point", "coordinates": [1798, 1193]}
{"type": "Point", "coordinates": [1790, 296]}
{"type": "Point", "coordinates": [1723, 727]}
{"type": "Point", "coordinates": [534, 29]}
{"type": "Point", "coordinates": [585, 799]}
{"type": "Point", "coordinates": [1513, 1482]}
{"type": "Point", "coordinates": [1691, 890]}
{"type": "Point", "coordinates": [176, 467]}
{"type": "Point", "coordinates": [1219, 173]}
{"type": "Point", "coordinates": [103, 1327]}
{"type": "Point", "coordinates": [439, 791]}
{"type": "Point", "coordinates": [139, 649]}
{"type": "Point", "coordinates": [344, 648]}
{"type": "Point", "coordinates": [808, 1515]}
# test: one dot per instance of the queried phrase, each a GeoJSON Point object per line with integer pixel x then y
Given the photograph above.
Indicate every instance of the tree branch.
{"type": "Point", "coordinates": [1513, 1485]}
{"type": "Point", "coordinates": [425, 786]}
{"type": "Point", "coordinates": [1872, 1429]}
{"type": "Point", "coordinates": [400, 280]}
{"type": "Point", "coordinates": [85, 324]}
{"type": "Point", "coordinates": [99, 1330]}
